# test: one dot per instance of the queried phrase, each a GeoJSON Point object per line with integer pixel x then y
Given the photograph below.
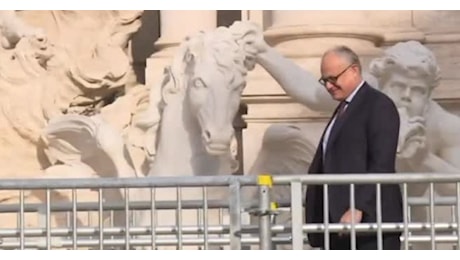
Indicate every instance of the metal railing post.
{"type": "Point", "coordinates": [296, 215]}
{"type": "Point", "coordinates": [235, 216]}
{"type": "Point", "coordinates": [265, 183]}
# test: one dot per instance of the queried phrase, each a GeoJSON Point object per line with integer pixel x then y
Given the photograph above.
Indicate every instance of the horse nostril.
{"type": "Point", "coordinates": [207, 135]}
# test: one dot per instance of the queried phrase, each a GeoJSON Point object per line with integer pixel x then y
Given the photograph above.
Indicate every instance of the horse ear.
{"type": "Point", "coordinates": [189, 61]}
{"type": "Point", "coordinates": [169, 85]}
{"type": "Point", "coordinates": [188, 57]}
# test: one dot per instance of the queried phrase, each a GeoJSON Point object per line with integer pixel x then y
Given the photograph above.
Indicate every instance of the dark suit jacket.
{"type": "Point", "coordinates": [363, 140]}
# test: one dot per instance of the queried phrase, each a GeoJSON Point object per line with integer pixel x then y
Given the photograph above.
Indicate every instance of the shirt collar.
{"type": "Point", "coordinates": [350, 97]}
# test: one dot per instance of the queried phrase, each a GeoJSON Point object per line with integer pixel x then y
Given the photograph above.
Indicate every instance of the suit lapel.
{"type": "Point", "coordinates": [318, 158]}
{"type": "Point", "coordinates": [315, 166]}
{"type": "Point", "coordinates": [328, 123]}
{"type": "Point", "coordinates": [325, 129]}
{"type": "Point", "coordinates": [340, 121]}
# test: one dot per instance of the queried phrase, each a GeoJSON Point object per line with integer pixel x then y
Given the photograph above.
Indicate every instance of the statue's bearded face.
{"type": "Point", "coordinates": [408, 91]}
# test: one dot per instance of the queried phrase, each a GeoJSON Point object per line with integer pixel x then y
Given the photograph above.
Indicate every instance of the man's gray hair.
{"type": "Point", "coordinates": [346, 53]}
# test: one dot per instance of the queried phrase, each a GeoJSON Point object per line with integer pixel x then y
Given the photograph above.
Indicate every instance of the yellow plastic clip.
{"type": "Point", "coordinates": [265, 180]}
{"type": "Point", "coordinates": [273, 205]}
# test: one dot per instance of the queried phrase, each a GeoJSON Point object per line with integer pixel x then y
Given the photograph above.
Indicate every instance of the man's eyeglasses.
{"type": "Point", "coordinates": [332, 79]}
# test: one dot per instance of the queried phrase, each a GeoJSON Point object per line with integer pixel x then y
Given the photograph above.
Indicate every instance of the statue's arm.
{"type": "Point", "coordinates": [298, 83]}
{"type": "Point", "coordinates": [444, 163]}
{"type": "Point", "coordinates": [449, 155]}
{"type": "Point", "coordinates": [445, 158]}
{"type": "Point", "coordinates": [435, 163]}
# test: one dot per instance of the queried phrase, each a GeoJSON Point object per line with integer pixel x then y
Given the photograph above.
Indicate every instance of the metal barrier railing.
{"type": "Point", "coordinates": [131, 234]}
{"type": "Point", "coordinates": [408, 227]}
{"type": "Point", "coordinates": [205, 220]}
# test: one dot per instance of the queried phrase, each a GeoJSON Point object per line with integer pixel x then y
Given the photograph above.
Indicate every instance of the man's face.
{"type": "Point", "coordinates": [407, 91]}
{"type": "Point", "coordinates": [338, 76]}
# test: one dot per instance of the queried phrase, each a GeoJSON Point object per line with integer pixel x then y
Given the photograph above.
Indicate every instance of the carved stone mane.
{"type": "Point", "coordinates": [216, 44]}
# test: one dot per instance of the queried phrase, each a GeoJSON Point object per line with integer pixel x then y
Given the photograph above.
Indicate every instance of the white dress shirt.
{"type": "Point", "coordinates": [329, 128]}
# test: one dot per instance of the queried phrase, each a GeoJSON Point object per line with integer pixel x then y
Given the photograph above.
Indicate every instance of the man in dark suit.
{"type": "Point", "coordinates": [360, 138]}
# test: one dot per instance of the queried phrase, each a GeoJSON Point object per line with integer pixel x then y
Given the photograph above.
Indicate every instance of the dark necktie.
{"type": "Point", "coordinates": [341, 108]}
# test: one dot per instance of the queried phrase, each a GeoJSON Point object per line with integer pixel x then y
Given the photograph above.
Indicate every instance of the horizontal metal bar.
{"type": "Point", "coordinates": [367, 178]}
{"type": "Point", "coordinates": [372, 227]}
{"type": "Point", "coordinates": [221, 241]}
{"type": "Point", "coordinates": [117, 242]}
{"type": "Point", "coordinates": [186, 204]}
{"type": "Point", "coordinates": [438, 201]}
{"type": "Point", "coordinates": [113, 231]}
{"type": "Point", "coordinates": [223, 180]}
{"type": "Point", "coordinates": [284, 205]}
{"type": "Point", "coordinates": [134, 205]}
{"type": "Point", "coordinates": [144, 182]}
{"type": "Point", "coordinates": [65, 243]}
{"type": "Point", "coordinates": [222, 229]}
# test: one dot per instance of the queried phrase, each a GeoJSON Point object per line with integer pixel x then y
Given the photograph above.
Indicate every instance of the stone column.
{"type": "Point", "coordinates": [303, 36]}
{"type": "Point", "coordinates": [174, 27]}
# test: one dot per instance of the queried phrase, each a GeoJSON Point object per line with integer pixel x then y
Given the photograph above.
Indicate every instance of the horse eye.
{"type": "Point", "coordinates": [198, 83]}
